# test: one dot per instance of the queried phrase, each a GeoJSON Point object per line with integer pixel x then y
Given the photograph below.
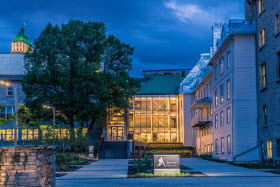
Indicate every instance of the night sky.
{"type": "Point", "coordinates": [166, 34]}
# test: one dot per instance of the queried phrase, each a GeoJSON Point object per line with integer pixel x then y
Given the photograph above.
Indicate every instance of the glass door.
{"type": "Point", "coordinates": [117, 133]}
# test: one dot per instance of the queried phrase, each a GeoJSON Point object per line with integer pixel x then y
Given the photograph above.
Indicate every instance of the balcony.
{"type": "Point", "coordinates": [201, 121]}
{"type": "Point", "coordinates": [201, 113]}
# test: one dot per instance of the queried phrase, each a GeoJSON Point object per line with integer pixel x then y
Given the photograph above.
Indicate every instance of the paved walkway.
{"type": "Point", "coordinates": [114, 173]}
{"type": "Point", "coordinates": [115, 168]}
{"type": "Point", "coordinates": [216, 169]}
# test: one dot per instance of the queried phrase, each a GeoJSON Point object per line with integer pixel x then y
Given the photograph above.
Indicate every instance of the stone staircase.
{"type": "Point", "coordinates": [113, 150]}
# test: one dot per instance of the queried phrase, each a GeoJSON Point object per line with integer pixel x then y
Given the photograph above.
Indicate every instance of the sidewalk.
{"type": "Point", "coordinates": [216, 169]}
{"type": "Point", "coordinates": [101, 169]}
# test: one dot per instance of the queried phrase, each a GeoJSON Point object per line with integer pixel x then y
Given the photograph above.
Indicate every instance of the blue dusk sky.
{"type": "Point", "coordinates": [166, 34]}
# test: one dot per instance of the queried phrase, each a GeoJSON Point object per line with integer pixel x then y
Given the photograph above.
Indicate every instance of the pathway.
{"type": "Point", "coordinates": [216, 169]}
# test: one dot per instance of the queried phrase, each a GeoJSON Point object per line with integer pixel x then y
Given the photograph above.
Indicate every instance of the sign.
{"type": "Point", "coordinates": [166, 164]}
{"type": "Point", "coordinates": [91, 151]}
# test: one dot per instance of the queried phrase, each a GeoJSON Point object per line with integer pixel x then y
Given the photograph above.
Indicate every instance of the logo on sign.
{"type": "Point", "coordinates": [161, 162]}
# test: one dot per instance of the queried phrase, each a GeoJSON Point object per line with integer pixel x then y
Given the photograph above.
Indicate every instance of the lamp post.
{"type": "Point", "coordinates": [16, 107]}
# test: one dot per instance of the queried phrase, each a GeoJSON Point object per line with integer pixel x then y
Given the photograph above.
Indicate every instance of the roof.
{"type": "Point", "coordinates": [21, 36]}
{"type": "Point", "coordinates": [167, 70]}
{"type": "Point", "coordinates": [160, 85]}
{"type": "Point", "coordinates": [200, 70]}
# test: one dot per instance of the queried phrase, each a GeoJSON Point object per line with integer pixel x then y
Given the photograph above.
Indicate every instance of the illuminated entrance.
{"type": "Point", "coordinates": [116, 133]}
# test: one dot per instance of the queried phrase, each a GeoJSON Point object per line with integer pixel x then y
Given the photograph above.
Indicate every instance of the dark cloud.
{"type": "Point", "coordinates": [166, 34]}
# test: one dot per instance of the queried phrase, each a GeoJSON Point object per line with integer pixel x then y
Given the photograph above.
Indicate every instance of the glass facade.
{"type": "Point", "coordinates": [154, 118]}
{"type": "Point", "coordinates": [151, 118]}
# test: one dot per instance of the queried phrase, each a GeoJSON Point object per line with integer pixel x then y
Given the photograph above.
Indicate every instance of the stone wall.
{"type": "Point", "coordinates": [269, 96]}
{"type": "Point", "coordinates": [27, 166]}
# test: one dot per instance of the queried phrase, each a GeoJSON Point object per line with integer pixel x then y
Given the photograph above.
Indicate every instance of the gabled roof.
{"type": "Point", "coordinates": [160, 85]}
{"type": "Point", "coordinates": [199, 71]}
{"type": "Point", "coordinates": [21, 36]}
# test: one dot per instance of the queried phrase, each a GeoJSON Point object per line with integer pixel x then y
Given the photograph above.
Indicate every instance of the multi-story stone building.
{"type": "Point", "coordinates": [267, 14]}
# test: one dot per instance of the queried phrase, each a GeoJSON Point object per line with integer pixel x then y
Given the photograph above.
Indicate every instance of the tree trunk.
{"type": "Point", "coordinates": [90, 127]}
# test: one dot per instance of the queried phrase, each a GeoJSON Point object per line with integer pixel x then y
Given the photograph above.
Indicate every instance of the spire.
{"type": "Point", "coordinates": [21, 36]}
{"type": "Point", "coordinates": [20, 43]}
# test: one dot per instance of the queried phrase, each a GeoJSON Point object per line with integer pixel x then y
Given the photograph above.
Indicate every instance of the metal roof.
{"type": "Point", "coordinates": [21, 36]}
{"type": "Point", "coordinates": [160, 85]}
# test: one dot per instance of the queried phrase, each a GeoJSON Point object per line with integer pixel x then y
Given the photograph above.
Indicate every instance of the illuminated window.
{"type": "Point", "coordinates": [10, 91]}
{"type": "Point", "coordinates": [24, 134]}
{"type": "Point", "coordinates": [222, 66]}
{"type": "Point", "coordinates": [228, 60]}
{"type": "Point", "coordinates": [261, 5]}
{"type": "Point", "coordinates": [228, 89]}
{"type": "Point", "coordinates": [216, 121]}
{"type": "Point", "coordinates": [262, 37]}
{"type": "Point", "coordinates": [228, 144]}
{"type": "Point", "coordinates": [222, 145]}
{"type": "Point", "coordinates": [216, 98]}
{"type": "Point", "coordinates": [208, 148]}
{"type": "Point", "coordinates": [263, 75]}
{"type": "Point", "coordinates": [269, 149]}
{"type": "Point", "coordinates": [221, 118]}
{"type": "Point", "coordinates": [264, 115]}
{"type": "Point", "coordinates": [277, 23]}
{"type": "Point", "coordinates": [228, 115]}
{"type": "Point", "coordinates": [212, 148]}
{"type": "Point", "coordinates": [205, 148]}
{"type": "Point", "coordinates": [222, 94]}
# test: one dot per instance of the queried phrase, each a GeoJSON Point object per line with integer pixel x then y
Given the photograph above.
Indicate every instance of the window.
{"type": "Point", "coordinates": [210, 89]}
{"type": "Point", "coordinates": [216, 146]}
{"type": "Point", "coordinates": [262, 37]}
{"type": "Point", "coordinates": [261, 6]}
{"type": "Point", "coordinates": [10, 91]}
{"type": "Point", "coordinates": [228, 115]}
{"type": "Point", "coordinates": [263, 75]}
{"type": "Point", "coordinates": [216, 121]}
{"type": "Point", "coordinates": [211, 109]}
{"type": "Point", "coordinates": [221, 66]}
{"type": "Point", "coordinates": [205, 148]}
{"type": "Point", "coordinates": [228, 144]}
{"type": "Point", "coordinates": [222, 118]}
{"type": "Point", "coordinates": [208, 148]}
{"type": "Point", "coordinates": [216, 73]}
{"type": "Point", "coordinates": [277, 23]}
{"type": "Point", "coordinates": [216, 98]}
{"type": "Point", "coordinates": [228, 89]}
{"type": "Point", "coordinates": [222, 94]}
{"type": "Point", "coordinates": [204, 92]}
{"type": "Point", "coordinates": [228, 60]}
{"type": "Point", "coordinates": [278, 64]}
{"type": "Point", "coordinates": [222, 145]}
{"type": "Point", "coordinates": [212, 148]}
{"type": "Point", "coordinates": [278, 147]}
{"type": "Point", "coordinates": [269, 149]}
{"type": "Point", "coordinates": [264, 115]}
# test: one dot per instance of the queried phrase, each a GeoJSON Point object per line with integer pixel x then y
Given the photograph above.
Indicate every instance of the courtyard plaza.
{"type": "Point", "coordinates": [113, 172]}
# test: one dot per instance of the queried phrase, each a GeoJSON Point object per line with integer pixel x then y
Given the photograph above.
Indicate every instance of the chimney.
{"type": "Point", "coordinates": [249, 6]}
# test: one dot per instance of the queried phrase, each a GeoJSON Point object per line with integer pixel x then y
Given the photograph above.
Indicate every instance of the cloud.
{"type": "Point", "coordinates": [184, 12]}
{"type": "Point", "coordinates": [203, 16]}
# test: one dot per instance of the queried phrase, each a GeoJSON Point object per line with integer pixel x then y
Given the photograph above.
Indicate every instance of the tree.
{"type": "Point", "coordinates": [79, 70]}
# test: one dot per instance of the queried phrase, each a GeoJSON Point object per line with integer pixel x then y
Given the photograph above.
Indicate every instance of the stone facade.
{"type": "Point", "coordinates": [268, 95]}
{"type": "Point", "coordinates": [27, 166]}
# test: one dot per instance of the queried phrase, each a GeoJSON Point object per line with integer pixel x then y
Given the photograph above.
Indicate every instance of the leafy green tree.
{"type": "Point", "coordinates": [79, 70]}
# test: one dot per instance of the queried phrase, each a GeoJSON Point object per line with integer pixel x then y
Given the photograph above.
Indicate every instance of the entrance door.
{"type": "Point", "coordinates": [117, 133]}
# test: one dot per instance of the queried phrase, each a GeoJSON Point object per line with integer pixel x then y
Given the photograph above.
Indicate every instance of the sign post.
{"type": "Point", "coordinates": [90, 151]}
{"type": "Point", "coordinates": [166, 164]}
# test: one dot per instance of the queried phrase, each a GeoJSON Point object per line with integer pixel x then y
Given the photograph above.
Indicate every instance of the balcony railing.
{"type": "Point", "coordinates": [201, 120]}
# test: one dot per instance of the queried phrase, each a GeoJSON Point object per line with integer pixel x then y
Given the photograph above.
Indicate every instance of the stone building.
{"type": "Point", "coordinates": [267, 14]}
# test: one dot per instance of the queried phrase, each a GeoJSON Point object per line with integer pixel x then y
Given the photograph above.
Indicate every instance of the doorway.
{"type": "Point", "coordinates": [116, 133]}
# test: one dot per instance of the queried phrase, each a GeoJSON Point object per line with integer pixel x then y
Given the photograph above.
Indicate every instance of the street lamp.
{"type": "Point", "coordinates": [16, 107]}
{"type": "Point", "coordinates": [51, 107]}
